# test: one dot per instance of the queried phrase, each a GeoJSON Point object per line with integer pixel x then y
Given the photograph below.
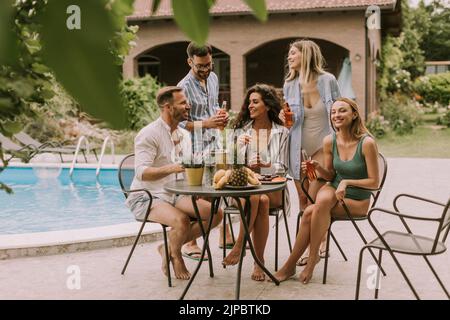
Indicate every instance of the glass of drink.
{"type": "Point", "coordinates": [221, 159]}
{"type": "Point", "coordinates": [310, 170]}
{"type": "Point", "coordinates": [221, 112]}
{"type": "Point", "coordinates": [288, 116]}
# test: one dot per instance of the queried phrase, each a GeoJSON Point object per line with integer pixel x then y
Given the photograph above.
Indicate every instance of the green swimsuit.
{"type": "Point", "coordinates": [354, 169]}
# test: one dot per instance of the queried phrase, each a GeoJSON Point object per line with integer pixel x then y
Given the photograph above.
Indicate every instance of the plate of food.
{"type": "Point", "coordinates": [247, 187]}
{"type": "Point", "coordinates": [271, 179]}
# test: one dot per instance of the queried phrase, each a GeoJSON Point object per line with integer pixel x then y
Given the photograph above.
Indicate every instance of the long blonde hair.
{"type": "Point", "coordinates": [311, 64]}
{"type": "Point", "coordinates": [357, 128]}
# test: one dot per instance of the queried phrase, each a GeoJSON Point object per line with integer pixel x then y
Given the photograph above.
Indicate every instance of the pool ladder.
{"type": "Point", "coordinates": [111, 146]}
{"type": "Point", "coordinates": [86, 142]}
{"type": "Point", "coordinates": [77, 150]}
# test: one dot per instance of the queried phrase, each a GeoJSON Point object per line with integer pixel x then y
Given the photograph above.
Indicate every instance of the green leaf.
{"type": "Point", "coordinates": [9, 51]}
{"type": "Point", "coordinates": [119, 10]}
{"type": "Point", "coordinates": [211, 3]}
{"type": "Point", "coordinates": [22, 87]}
{"type": "Point", "coordinates": [40, 68]}
{"type": "Point", "coordinates": [155, 6]}
{"type": "Point", "coordinates": [6, 104]}
{"type": "Point", "coordinates": [6, 188]}
{"type": "Point", "coordinates": [12, 127]}
{"type": "Point", "coordinates": [259, 9]}
{"type": "Point", "coordinates": [81, 59]}
{"type": "Point", "coordinates": [193, 18]}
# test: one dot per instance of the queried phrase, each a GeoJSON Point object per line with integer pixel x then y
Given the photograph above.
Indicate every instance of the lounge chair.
{"type": "Point", "coordinates": [31, 150]}
{"type": "Point", "coordinates": [15, 150]}
{"type": "Point", "coordinates": [52, 147]}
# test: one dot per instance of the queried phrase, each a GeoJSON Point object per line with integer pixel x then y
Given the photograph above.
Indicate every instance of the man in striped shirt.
{"type": "Point", "coordinates": [201, 86]}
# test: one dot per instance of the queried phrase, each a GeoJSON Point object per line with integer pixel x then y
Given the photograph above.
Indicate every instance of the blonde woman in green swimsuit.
{"type": "Point", "coordinates": [350, 159]}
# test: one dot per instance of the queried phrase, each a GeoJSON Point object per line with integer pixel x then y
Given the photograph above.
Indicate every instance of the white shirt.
{"type": "Point", "coordinates": [156, 146]}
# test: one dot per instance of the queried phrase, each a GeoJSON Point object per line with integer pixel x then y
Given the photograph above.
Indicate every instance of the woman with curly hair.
{"type": "Point", "coordinates": [259, 124]}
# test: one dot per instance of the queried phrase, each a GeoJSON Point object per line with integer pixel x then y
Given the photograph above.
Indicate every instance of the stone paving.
{"type": "Point", "coordinates": [52, 277]}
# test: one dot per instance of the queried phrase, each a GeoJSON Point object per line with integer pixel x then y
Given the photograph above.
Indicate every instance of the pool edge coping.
{"type": "Point", "coordinates": [75, 240]}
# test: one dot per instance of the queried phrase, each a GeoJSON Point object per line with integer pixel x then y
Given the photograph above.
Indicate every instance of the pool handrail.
{"type": "Point", "coordinates": [74, 161]}
{"type": "Point", "coordinates": [111, 146]}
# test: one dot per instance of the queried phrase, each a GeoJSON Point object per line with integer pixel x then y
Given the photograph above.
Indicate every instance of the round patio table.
{"type": "Point", "coordinates": [182, 188]}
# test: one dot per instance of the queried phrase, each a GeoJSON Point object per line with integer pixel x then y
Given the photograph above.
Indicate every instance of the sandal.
{"type": "Point", "coordinates": [229, 245]}
{"type": "Point", "coordinates": [302, 261]}
{"type": "Point", "coordinates": [324, 254]}
{"type": "Point", "coordinates": [194, 255]}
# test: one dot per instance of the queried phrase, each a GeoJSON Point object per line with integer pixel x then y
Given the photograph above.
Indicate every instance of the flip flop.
{"type": "Point", "coordinates": [229, 245]}
{"type": "Point", "coordinates": [194, 255]}
{"type": "Point", "coordinates": [323, 254]}
{"type": "Point", "coordinates": [302, 261]}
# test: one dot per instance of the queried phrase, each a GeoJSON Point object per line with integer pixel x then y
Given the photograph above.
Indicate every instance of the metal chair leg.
{"type": "Point", "coordinates": [84, 155]}
{"type": "Point", "coordinates": [214, 209]}
{"type": "Point", "coordinates": [446, 234]}
{"type": "Point", "coordinates": [134, 246]}
{"type": "Point", "coordinates": [325, 268]}
{"type": "Point", "coordinates": [377, 287]}
{"type": "Point", "coordinates": [358, 277]}
{"type": "Point", "coordinates": [404, 274]}
{"type": "Point", "coordinates": [276, 242]}
{"type": "Point", "coordinates": [370, 250]}
{"type": "Point", "coordinates": [166, 250]}
{"type": "Point", "coordinates": [338, 246]}
{"type": "Point", "coordinates": [299, 215]}
{"type": "Point", "coordinates": [287, 230]}
{"type": "Point", "coordinates": [224, 248]}
{"type": "Point", "coordinates": [436, 276]}
{"type": "Point", "coordinates": [95, 154]}
{"type": "Point", "coordinates": [230, 223]}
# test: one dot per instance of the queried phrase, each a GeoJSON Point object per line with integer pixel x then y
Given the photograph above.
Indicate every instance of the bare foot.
{"type": "Point", "coordinates": [233, 257]}
{"type": "Point", "coordinates": [307, 273]}
{"type": "Point", "coordinates": [258, 274]}
{"type": "Point", "coordinates": [284, 274]}
{"type": "Point", "coordinates": [179, 268]}
{"type": "Point", "coordinates": [162, 252]}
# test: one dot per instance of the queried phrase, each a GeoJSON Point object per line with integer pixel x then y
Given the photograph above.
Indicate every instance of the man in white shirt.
{"type": "Point", "coordinates": [155, 146]}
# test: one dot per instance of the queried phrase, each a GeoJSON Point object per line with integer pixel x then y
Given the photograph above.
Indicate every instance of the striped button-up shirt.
{"type": "Point", "coordinates": [204, 104]}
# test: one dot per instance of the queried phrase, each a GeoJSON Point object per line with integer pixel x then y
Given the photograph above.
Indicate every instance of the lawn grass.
{"type": "Point", "coordinates": [426, 142]}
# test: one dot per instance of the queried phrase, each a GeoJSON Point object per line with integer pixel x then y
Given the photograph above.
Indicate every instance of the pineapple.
{"type": "Point", "coordinates": [239, 175]}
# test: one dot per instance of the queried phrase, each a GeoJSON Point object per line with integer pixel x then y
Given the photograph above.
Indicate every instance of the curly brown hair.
{"type": "Point", "coordinates": [270, 98]}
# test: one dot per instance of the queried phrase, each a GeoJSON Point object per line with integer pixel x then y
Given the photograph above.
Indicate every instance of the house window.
{"type": "Point", "coordinates": [148, 64]}
{"type": "Point", "coordinates": [435, 67]}
{"type": "Point", "coordinates": [222, 69]}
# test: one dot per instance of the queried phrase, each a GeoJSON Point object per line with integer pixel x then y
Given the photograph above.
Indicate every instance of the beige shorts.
{"type": "Point", "coordinates": [139, 204]}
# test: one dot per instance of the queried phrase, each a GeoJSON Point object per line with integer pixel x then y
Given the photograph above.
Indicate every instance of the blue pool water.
{"type": "Point", "coordinates": [45, 203]}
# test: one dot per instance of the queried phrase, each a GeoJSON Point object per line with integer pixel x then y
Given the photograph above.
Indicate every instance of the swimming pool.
{"type": "Point", "coordinates": [44, 203]}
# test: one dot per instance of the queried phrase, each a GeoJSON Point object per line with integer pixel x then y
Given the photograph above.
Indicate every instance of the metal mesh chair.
{"type": "Point", "coordinates": [353, 218]}
{"type": "Point", "coordinates": [126, 174]}
{"type": "Point", "coordinates": [274, 212]}
{"type": "Point", "coordinates": [409, 243]}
